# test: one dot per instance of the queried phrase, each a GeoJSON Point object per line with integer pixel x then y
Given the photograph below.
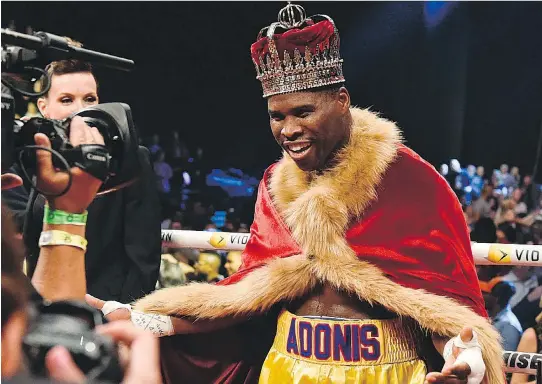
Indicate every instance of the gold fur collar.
{"type": "Point", "coordinates": [340, 194]}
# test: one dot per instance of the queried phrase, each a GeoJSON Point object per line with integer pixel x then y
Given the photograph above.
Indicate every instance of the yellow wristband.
{"type": "Point", "coordinates": [54, 237]}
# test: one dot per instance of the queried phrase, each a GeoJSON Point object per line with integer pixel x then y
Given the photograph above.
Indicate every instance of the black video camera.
{"type": "Point", "coordinates": [115, 163]}
{"type": "Point", "coordinates": [71, 324]}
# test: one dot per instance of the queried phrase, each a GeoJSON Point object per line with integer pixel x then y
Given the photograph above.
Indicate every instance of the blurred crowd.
{"type": "Point", "coordinates": [505, 207]}
{"type": "Point", "coordinates": [188, 203]}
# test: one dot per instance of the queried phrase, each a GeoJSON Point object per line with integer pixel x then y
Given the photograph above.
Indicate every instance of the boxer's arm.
{"type": "Point", "coordinates": [439, 342]}
{"type": "Point", "coordinates": [183, 326]}
{"type": "Point", "coordinates": [161, 325]}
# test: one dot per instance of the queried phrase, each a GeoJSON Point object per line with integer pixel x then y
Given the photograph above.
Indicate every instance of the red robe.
{"type": "Point", "coordinates": [431, 253]}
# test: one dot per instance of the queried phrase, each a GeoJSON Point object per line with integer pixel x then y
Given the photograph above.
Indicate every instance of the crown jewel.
{"type": "Point", "coordinates": [305, 55]}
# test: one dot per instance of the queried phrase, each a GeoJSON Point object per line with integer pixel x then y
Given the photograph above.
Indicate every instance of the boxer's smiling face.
{"type": "Point", "coordinates": [310, 125]}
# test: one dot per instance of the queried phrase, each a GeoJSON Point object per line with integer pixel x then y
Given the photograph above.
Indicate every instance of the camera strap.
{"type": "Point", "coordinates": [91, 158]}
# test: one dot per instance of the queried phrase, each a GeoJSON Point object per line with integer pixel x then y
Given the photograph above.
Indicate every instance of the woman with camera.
{"type": "Point", "coordinates": [123, 257]}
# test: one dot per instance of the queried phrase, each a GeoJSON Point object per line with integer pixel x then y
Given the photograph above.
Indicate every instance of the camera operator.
{"type": "Point", "coordinates": [123, 257]}
{"type": "Point", "coordinates": [60, 275]}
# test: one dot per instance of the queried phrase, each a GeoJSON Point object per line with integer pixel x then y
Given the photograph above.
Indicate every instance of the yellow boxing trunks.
{"type": "Point", "coordinates": [327, 350]}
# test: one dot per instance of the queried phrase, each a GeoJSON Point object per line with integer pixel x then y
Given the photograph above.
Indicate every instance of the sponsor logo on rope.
{"type": "Point", "coordinates": [500, 254]}
{"type": "Point", "coordinates": [221, 240]}
{"type": "Point", "coordinates": [504, 254]}
{"type": "Point", "coordinates": [522, 360]}
{"type": "Point", "coordinates": [218, 240]}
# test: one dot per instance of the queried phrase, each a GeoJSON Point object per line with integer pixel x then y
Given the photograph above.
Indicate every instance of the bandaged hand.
{"type": "Point", "coordinates": [463, 361]}
{"type": "Point", "coordinates": [159, 325]}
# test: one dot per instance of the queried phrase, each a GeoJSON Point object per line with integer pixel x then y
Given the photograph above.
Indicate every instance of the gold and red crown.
{"type": "Point", "coordinates": [304, 55]}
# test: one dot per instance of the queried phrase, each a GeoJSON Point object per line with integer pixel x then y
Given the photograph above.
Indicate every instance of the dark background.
{"type": "Point", "coordinates": [461, 79]}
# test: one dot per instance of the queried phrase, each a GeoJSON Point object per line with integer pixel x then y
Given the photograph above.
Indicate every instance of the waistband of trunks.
{"type": "Point", "coordinates": [345, 341]}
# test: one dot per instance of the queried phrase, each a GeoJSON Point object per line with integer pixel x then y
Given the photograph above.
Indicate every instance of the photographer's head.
{"type": "Point", "coordinates": [73, 87]}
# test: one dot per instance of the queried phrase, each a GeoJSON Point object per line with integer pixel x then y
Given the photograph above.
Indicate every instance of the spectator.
{"type": "Point", "coordinates": [503, 212]}
{"type": "Point", "coordinates": [478, 182]}
{"type": "Point", "coordinates": [482, 207]}
{"type": "Point", "coordinates": [176, 225]}
{"type": "Point", "coordinates": [155, 144]}
{"type": "Point", "coordinates": [524, 281]}
{"type": "Point", "coordinates": [171, 272]}
{"type": "Point", "coordinates": [524, 303]}
{"type": "Point", "coordinates": [506, 179]}
{"type": "Point", "coordinates": [536, 230]}
{"type": "Point", "coordinates": [469, 217]}
{"type": "Point", "coordinates": [178, 153]}
{"type": "Point", "coordinates": [514, 230]}
{"type": "Point", "coordinates": [207, 267]}
{"type": "Point", "coordinates": [498, 308]}
{"type": "Point", "coordinates": [233, 262]}
{"type": "Point", "coordinates": [166, 223]}
{"type": "Point", "coordinates": [531, 341]}
{"type": "Point", "coordinates": [163, 172]}
{"type": "Point", "coordinates": [210, 227]}
{"type": "Point", "coordinates": [515, 174]}
{"type": "Point", "coordinates": [186, 258]}
{"type": "Point", "coordinates": [520, 206]}
{"type": "Point", "coordinates": [484, 231]}
{"type": "Point", "coordinates": [531, 193]}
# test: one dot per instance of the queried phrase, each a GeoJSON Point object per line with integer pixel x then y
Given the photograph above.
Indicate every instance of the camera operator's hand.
{"type": "Point", "coordinates": [141, 362]}
{"type": "Point", "coordinates": [84, 186]}
{"type": "Point", "coordinates": [61, 366]}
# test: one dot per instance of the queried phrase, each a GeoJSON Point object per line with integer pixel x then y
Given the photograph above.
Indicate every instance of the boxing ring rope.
{"type": "Point", "coordinates": [484, 254]}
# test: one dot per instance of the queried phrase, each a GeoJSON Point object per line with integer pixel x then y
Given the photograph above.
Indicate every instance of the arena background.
{"type": "Point", "coordinates": [462, 79]}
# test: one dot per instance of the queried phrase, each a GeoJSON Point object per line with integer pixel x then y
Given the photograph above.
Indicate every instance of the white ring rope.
{"type": "Point", "coordinates": [484, 254]}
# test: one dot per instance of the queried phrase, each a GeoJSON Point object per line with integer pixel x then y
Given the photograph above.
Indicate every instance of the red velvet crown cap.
{"type": "Point", "coordinates": [313, 35]}
{"type": "Point", "coordinates": [305, 56]}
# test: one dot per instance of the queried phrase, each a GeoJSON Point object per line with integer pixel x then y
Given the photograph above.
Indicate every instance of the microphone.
{"type": "Point", "coordinates": [59, 48]}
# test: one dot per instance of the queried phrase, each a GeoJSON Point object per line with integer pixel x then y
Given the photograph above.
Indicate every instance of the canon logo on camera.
{"type": "Point", "coordinates": [92, 156]}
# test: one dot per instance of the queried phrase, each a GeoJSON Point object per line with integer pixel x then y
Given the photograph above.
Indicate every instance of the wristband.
{"type": "Point", "coordinates": [48, 238]}
{"type": "Point", "coordinates": [160, 325]}
{"type": "Point", "coordinates": [55, 216]}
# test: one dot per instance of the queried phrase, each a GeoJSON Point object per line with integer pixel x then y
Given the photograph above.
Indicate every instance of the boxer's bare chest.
{"type": "Point", "coordinates": [328, 301]}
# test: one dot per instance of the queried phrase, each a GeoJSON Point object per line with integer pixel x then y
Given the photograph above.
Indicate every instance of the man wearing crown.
{"type": "Point", "coordinates": [358, 268]}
